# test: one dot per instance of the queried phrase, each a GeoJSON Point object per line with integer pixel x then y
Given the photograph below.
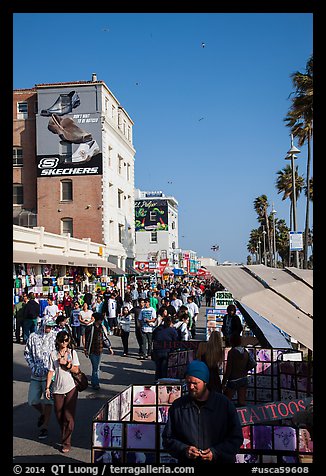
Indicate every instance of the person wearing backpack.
{"type": "Point", "coordinates": [235, 377]}
{"type": "Point", "coordinates": [165, 332]}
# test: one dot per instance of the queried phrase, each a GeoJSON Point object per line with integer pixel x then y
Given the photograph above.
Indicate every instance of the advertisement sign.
{"type": "Point", "coordinates": [142, 266]}
{"type": "Point", "coordinates": [68, 132]}
{"type": "Point", "coordinates": [151, 215]}
{"type": "Point", "coordinates": [272, 411]}
{"type": "Point", "coordinates": [296, 240]}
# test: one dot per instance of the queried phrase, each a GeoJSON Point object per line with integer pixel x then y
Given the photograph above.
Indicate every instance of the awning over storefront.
{"type": "Point", "coordinates": [33, 257]}
{"type": "Point", "coordinates": [117, 272]}
{"type": "Point", "coordinates": [266, 301]}
{"type": "Point", "coordinates": [267, 333]}
{"type": "Point", "coordinates": [131, 271]}
{"type": "Point", "coordinates": [178, 271]}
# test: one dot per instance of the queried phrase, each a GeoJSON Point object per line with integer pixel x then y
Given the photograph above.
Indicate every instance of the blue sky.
{"type": "Point", "coordinates": [208, 119]}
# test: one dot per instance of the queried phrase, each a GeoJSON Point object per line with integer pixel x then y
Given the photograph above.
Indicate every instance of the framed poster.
{"type": "Point", "coordinates": [140, 436]}
{"type": "Point", "coordinates": [107, 434]}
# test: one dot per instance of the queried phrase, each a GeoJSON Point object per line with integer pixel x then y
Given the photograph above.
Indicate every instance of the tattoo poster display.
{"type": "Point", "coordinates": [134, 406]}
{"type": "Point", "coordinates": [295, 379]}
{"type": "Point", "coordinates": [178, 362]}
{"type": "Point", "coordinates": [272, 379]}
{"type": "Point", "coordinates": [130, 441]}
{"type": "Point", "coordinates": [274, 444]}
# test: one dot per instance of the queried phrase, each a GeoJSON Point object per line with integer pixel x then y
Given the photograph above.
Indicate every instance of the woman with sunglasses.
{"type": "Point", "coordinates": [63, 361]}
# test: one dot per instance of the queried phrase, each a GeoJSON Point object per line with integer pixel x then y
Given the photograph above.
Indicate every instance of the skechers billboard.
{"type": "Point", "coordinates": [68, 131]}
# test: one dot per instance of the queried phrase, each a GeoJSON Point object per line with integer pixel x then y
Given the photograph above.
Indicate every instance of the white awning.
{"type": "Point", "coordinates": [265, 300]}
{"type": "Point", "coordinates": [34, 257]}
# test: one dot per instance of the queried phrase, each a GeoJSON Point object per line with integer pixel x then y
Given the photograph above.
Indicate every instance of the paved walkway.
{"type": "Point", "coordinates": [117, 372]}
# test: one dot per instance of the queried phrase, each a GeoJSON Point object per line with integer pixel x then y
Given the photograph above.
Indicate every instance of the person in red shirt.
{"type": "Point", "coordinates": [67, 304]}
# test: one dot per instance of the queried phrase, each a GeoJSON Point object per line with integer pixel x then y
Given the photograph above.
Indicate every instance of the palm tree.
{"type": "Point", "coordinates": [300, 120]}
{"type": "Point", "coordinates": [284, 185]}
{"type": "Point", "coordinates": [252, 245]}
{"type": "Point", "coordinates": [261, 205]}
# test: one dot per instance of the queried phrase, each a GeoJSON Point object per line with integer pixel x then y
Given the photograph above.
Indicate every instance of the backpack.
{"type": "Point", "coordinates": [178, 329]}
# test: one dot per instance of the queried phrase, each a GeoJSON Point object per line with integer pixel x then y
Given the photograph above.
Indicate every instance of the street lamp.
{"type": "Point", "coordinates": [274, 237]}
{"type": "Point", "coordinates": [264, 240]}
{"type": "Point", "coordinates": [259, 251]}
{"type": "Point", "coordinates": [291, 156]}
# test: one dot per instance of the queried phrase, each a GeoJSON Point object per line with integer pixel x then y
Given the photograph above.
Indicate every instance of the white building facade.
{"type": "Point", "coordinates": [156, 228]}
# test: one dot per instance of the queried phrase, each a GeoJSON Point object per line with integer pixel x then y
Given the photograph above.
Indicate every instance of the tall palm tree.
{"type": "Point", "coordinates": [300, 120]}
{"type": "Point", "coordinates": [284, 185]}
{"type": "Point", "coordinates": [261, 205]}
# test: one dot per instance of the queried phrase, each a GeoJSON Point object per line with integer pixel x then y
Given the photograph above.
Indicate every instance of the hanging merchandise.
{"type": "Point", "coordinates": [23, 282]}
{"type": "Point", "coordinates": [38, 280]}
{"type": "Point", "coordinates": [27, 282]}
{"type": "Point", "coordinates": [18, 283]}
{"type": "Point", "coordinates": [60, 281]}
{"type": "Point", "coordinates": [32, 280]}
{"type": "Point", "coordinates": [88, 274]}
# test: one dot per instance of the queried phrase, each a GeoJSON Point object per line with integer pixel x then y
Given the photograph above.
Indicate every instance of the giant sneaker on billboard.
{"type": "Point", "coordinates": [69, 132]}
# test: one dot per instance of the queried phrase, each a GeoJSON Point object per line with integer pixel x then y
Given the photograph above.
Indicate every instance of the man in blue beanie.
{"type": "Point", "coordinates": [203, 426]}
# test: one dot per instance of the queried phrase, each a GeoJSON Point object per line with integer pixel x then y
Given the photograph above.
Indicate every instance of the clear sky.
{"type": "Point", "coordinates": [207, 92]}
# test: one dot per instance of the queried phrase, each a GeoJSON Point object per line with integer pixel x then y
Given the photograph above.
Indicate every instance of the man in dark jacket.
{"type": "Point", "coordinates": [231, 324]}
{"type": "Point", "coordinates": [31, 314]}
{"type": "Point", "coordinates": [165, 332]}
{"type": "Point", "coordinates": [203, 426]}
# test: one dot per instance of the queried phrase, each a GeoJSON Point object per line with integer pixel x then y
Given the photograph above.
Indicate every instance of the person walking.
{"type": "Point", "coordinates": [75, 323]}
{"type": "Point", "coordinates": [31, 315]}
{"type": "Point", "coordinates": [86, 318]}
{"type": "Point", "coordinates": [193, 311]}
{"type": "Point", "coordinates": [63, 362]}
{"type": "Point", "coordinates": [124, 321]}
{"type": "Point", "coordinates": [19, 318]}
{"type": "Point", "coordinates": [147, 319]}
{"type": "Point", "coordinates": [51, 311]}
{"type": "Point", "coordinates": [37, 352]}
{"type": "Point", "coordinates": [136, 311]}
{"type": "Point", "coordinates": [67, 304]}
{"type": "Point", "coordinates": [235, 377]}
{"type": "Point", "coordinates": [231, 324]}
{"type": "Point", "coordinates": [112, 312]}
{"type": "Point", "coordinates": [213, 356]}
{"type": "Point", "coordinates": [88, 298]}
{"type": "Point", "coordinates": [96, 339]}
{"type": "Point", "coordinates": [163, 333]}
{"type": "Point", "coordinates": [63, 325]}
{"type": "Point", "coordinates": [203, 426]}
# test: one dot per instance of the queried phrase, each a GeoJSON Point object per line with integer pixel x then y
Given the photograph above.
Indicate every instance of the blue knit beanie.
{"type": "Point", "coordinates": [198, 369]}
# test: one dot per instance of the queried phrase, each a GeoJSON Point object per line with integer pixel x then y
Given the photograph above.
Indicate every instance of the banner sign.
{"type": "Point", "coordinates": [151, 215]}
{"type": "Point", "coordinates": [223, 298]}
{"type": "Point", "coordinates": [296, 240]}
{"type": "Point", "coordinates": [271, 411]}
{"type": "Point", "coordinates": [185, 344]}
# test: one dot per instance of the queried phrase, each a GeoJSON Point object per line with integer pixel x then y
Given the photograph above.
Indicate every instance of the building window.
{"type": "Point", "coordinates": [67, 226]}
{"type": "Point", "coordinates": [173, 245]}
{"type": "Point", "coordinates": [120, 230]}
{"type": "Point", "coordinates": [120, 196]}
{"type": "Point", "coordinates": [120, 163]}
{"type": "Point", "coordinates": [113, 111]}
{"type": "Point", "coordinates": [153, 236]}
{"type": "Point", "coordinates": [66, 190]}
{"type": "Point", "coordinates": [173, 225]}
{"type": "Point", "coordinates": [18, 194]}
{"type": "Point", "coordinates": [66, 151]}
{"type": "Point", "coordinates": [128, 172]}
{"type": "Point", "coordinates": [152, 216]}
{"type": "Point", "coordinates": [22, 110]}
{"type": "Point", "coordinates": [17, 156]}
{"type": "Point", "coordinates": [110, 156]}
{"type": "Point", "coordinates": [129, 133]}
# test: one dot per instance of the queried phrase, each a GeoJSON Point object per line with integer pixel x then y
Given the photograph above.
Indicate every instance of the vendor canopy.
{"type": "Point", "coordinates": [267, 333]}
{"type": "Point", "coordinates": [33, 257]}
{"type": "Point", "coordinates": [255, 292]}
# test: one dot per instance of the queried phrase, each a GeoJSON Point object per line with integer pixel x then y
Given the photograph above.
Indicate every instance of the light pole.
{"type": "Point", "coordinates": [274, 238]}
{"type": "Point", "coordinates": [291, 156]}
{"type": "Point", "coordinates": [259, 251]}
{"type": "Point", "coordinates": [264, 242]}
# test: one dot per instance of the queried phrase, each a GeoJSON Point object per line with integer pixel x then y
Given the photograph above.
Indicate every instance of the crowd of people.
{"type": "Point", "coordinates": [168, 313]}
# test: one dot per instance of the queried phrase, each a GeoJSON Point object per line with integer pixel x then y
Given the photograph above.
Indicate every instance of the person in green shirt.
{"type": "Point", "coordinates": [18, 316]}
{"type": "Point", "coordinates": [153, 301]}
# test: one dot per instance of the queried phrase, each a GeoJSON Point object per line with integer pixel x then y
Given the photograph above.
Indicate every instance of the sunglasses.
{"type": "Point", "coordinates": [66, 339]}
